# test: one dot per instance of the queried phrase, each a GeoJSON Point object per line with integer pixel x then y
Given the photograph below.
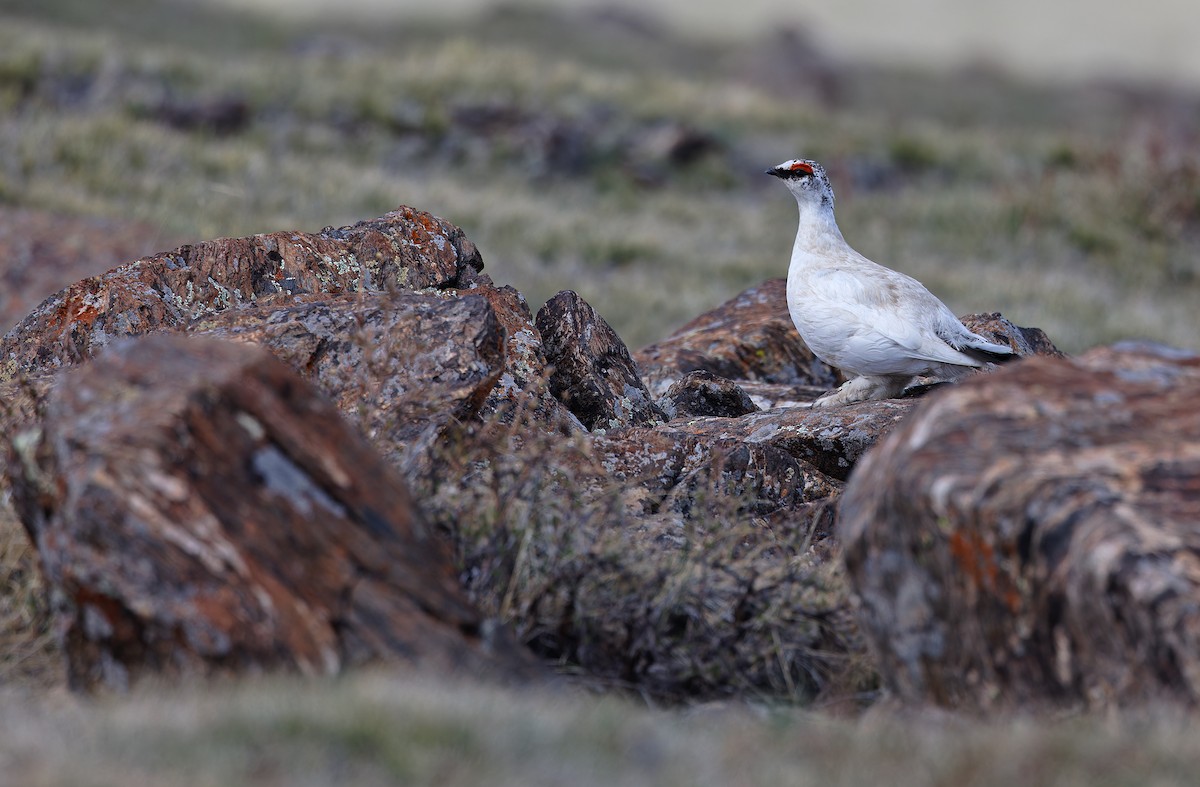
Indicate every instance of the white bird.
{"type": "Point", "coordinates": [880, 327]}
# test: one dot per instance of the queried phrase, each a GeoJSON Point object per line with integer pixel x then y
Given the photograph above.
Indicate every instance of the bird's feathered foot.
{"type": "Point", "coordinates": [863, 389]}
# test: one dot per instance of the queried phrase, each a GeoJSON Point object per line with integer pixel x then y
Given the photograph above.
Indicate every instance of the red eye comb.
{"type": "Point", "coordinates": [800, 166]}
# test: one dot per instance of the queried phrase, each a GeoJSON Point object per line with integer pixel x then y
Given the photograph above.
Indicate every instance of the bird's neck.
{"type": "Point", "coordinates": [818, 229]}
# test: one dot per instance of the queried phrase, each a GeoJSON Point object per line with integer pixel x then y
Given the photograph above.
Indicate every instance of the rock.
{"type": "Point", "coordinates": [703, 393]}
{"type": "Point", "coordinates": [830, 439]}
{"type": "Point", "coordinates": [788, 62]}
{"type": "Point", "coordinates": [1024, 341]}
{"type": "Point", "coordinates": [400, 366]}
{"type": "Point", "coordinates": [690, 571]}
{"type": "Point", "coordinates": [198, 510]}
{"type": "Point", "coordinates": [655, 153]}
{"type": "Point", "coordinates": [750, 337]}
{"type": "Point", "coordinates": [1030, 536]}
{"type": "Point", "coordinates": [593, 374]}
{"type": "Point", "coordinates": [404, 250]}
{"type": "Point", "coordinates": [768, 395]}
{"type": "Point", "coordinates": [522, 390]}
{"type": "Point", "coordinates": [695, 475]}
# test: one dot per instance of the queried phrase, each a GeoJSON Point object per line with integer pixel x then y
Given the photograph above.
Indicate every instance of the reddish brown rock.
{"type": "Point", "coordinates": [750, 337]}
{"type": "Point", "coordinates": [592, 373]}
{"type": "Point", "coordinates": [1033, 536]}
{"type": "Point", "coordinates": [523, 388]}
{"type": "Point", "coordinates": [830, 439]}
{"type": "Point", "coordinates": [198, 509]}
{"type": "Point", "coordinates": [400, 366]}
{"type": "Point", "coordinates": [404, 250]}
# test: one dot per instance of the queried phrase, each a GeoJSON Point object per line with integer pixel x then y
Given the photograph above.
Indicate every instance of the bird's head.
{"type": "Point", "coordinates": [806, 179]}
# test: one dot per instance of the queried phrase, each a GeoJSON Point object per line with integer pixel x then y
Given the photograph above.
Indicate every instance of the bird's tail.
{"type": "Point", "coordinates": [987, 352]}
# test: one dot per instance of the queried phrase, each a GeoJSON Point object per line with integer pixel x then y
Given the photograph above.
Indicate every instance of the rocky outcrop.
{"type": "Point", "coordinates": [749, 337]}
{"type": "Point", "coordinates": [199, 509]}
{"type": "Point", "coordinates": [1033, 536]}
{"type": "Point", "coordinates": [399, 366]}
{"type": "Point", "coordinates": [592, 372]}
{"type": "Point", "coordinates": [404, 250]}
{"type": "Point", "coordinates": [677, 546]}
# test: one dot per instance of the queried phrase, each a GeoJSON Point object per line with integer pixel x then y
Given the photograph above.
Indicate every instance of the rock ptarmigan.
{"type": "Point", "coordinates": [880, 327]}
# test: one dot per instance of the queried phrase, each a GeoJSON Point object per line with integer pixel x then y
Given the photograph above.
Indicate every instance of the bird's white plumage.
{"type": "Point", "coordinates": [882, 328]}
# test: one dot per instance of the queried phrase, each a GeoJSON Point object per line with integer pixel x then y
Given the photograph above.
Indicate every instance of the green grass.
{"type": "Point", "coordinates": [417, 729]}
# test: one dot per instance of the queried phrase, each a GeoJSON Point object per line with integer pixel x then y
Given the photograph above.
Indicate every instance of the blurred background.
{"type": "Point", "coordinates": [1064, 39]}
{"type": "Point", "coordinates": [1037, 159]}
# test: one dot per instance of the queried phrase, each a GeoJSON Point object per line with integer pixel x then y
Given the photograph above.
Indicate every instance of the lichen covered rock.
{"type": "Point", "coordinates": [1033, 536]}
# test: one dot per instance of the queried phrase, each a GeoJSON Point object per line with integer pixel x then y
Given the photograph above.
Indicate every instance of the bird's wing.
{"type": "Point", "coordinates": [885, 318]}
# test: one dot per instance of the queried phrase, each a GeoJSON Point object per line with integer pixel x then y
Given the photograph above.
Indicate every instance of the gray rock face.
{"type": "Point", "coordinates": [1033, 536]}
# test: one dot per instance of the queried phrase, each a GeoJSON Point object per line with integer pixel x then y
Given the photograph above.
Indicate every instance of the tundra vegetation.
{"type": "Point", "coordinates": [601, 153]}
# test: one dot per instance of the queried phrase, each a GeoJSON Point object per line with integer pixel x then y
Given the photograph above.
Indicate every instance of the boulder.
{"type": "Point", "coordinates": [768, 395]}
{"type": "Point", "coordinates": [199, 509]}
{"type": "Point", "coordinates": [400, 366]}
{"type": "Point", "coordinates": [592, 372]}
{"type": "Point", "coordinates": [703, 393]}
{"type": "Point", "coordinates": [1033, 536]}
{"type": "Point", "coordinates": [404, 250]}
{"type": "Point", "coordinates": [749, 337]}
{"type": "Point", "coordinates": [687, 571]}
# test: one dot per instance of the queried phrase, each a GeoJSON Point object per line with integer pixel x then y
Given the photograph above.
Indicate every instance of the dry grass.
{"type": "Point", "coordinates": [678, 610]}
{"type": "Point", "coordinates": [29, 656]}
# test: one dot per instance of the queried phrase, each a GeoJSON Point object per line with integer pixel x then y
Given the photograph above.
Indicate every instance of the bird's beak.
{"type": "Point", "coordinates": [776, 171]}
